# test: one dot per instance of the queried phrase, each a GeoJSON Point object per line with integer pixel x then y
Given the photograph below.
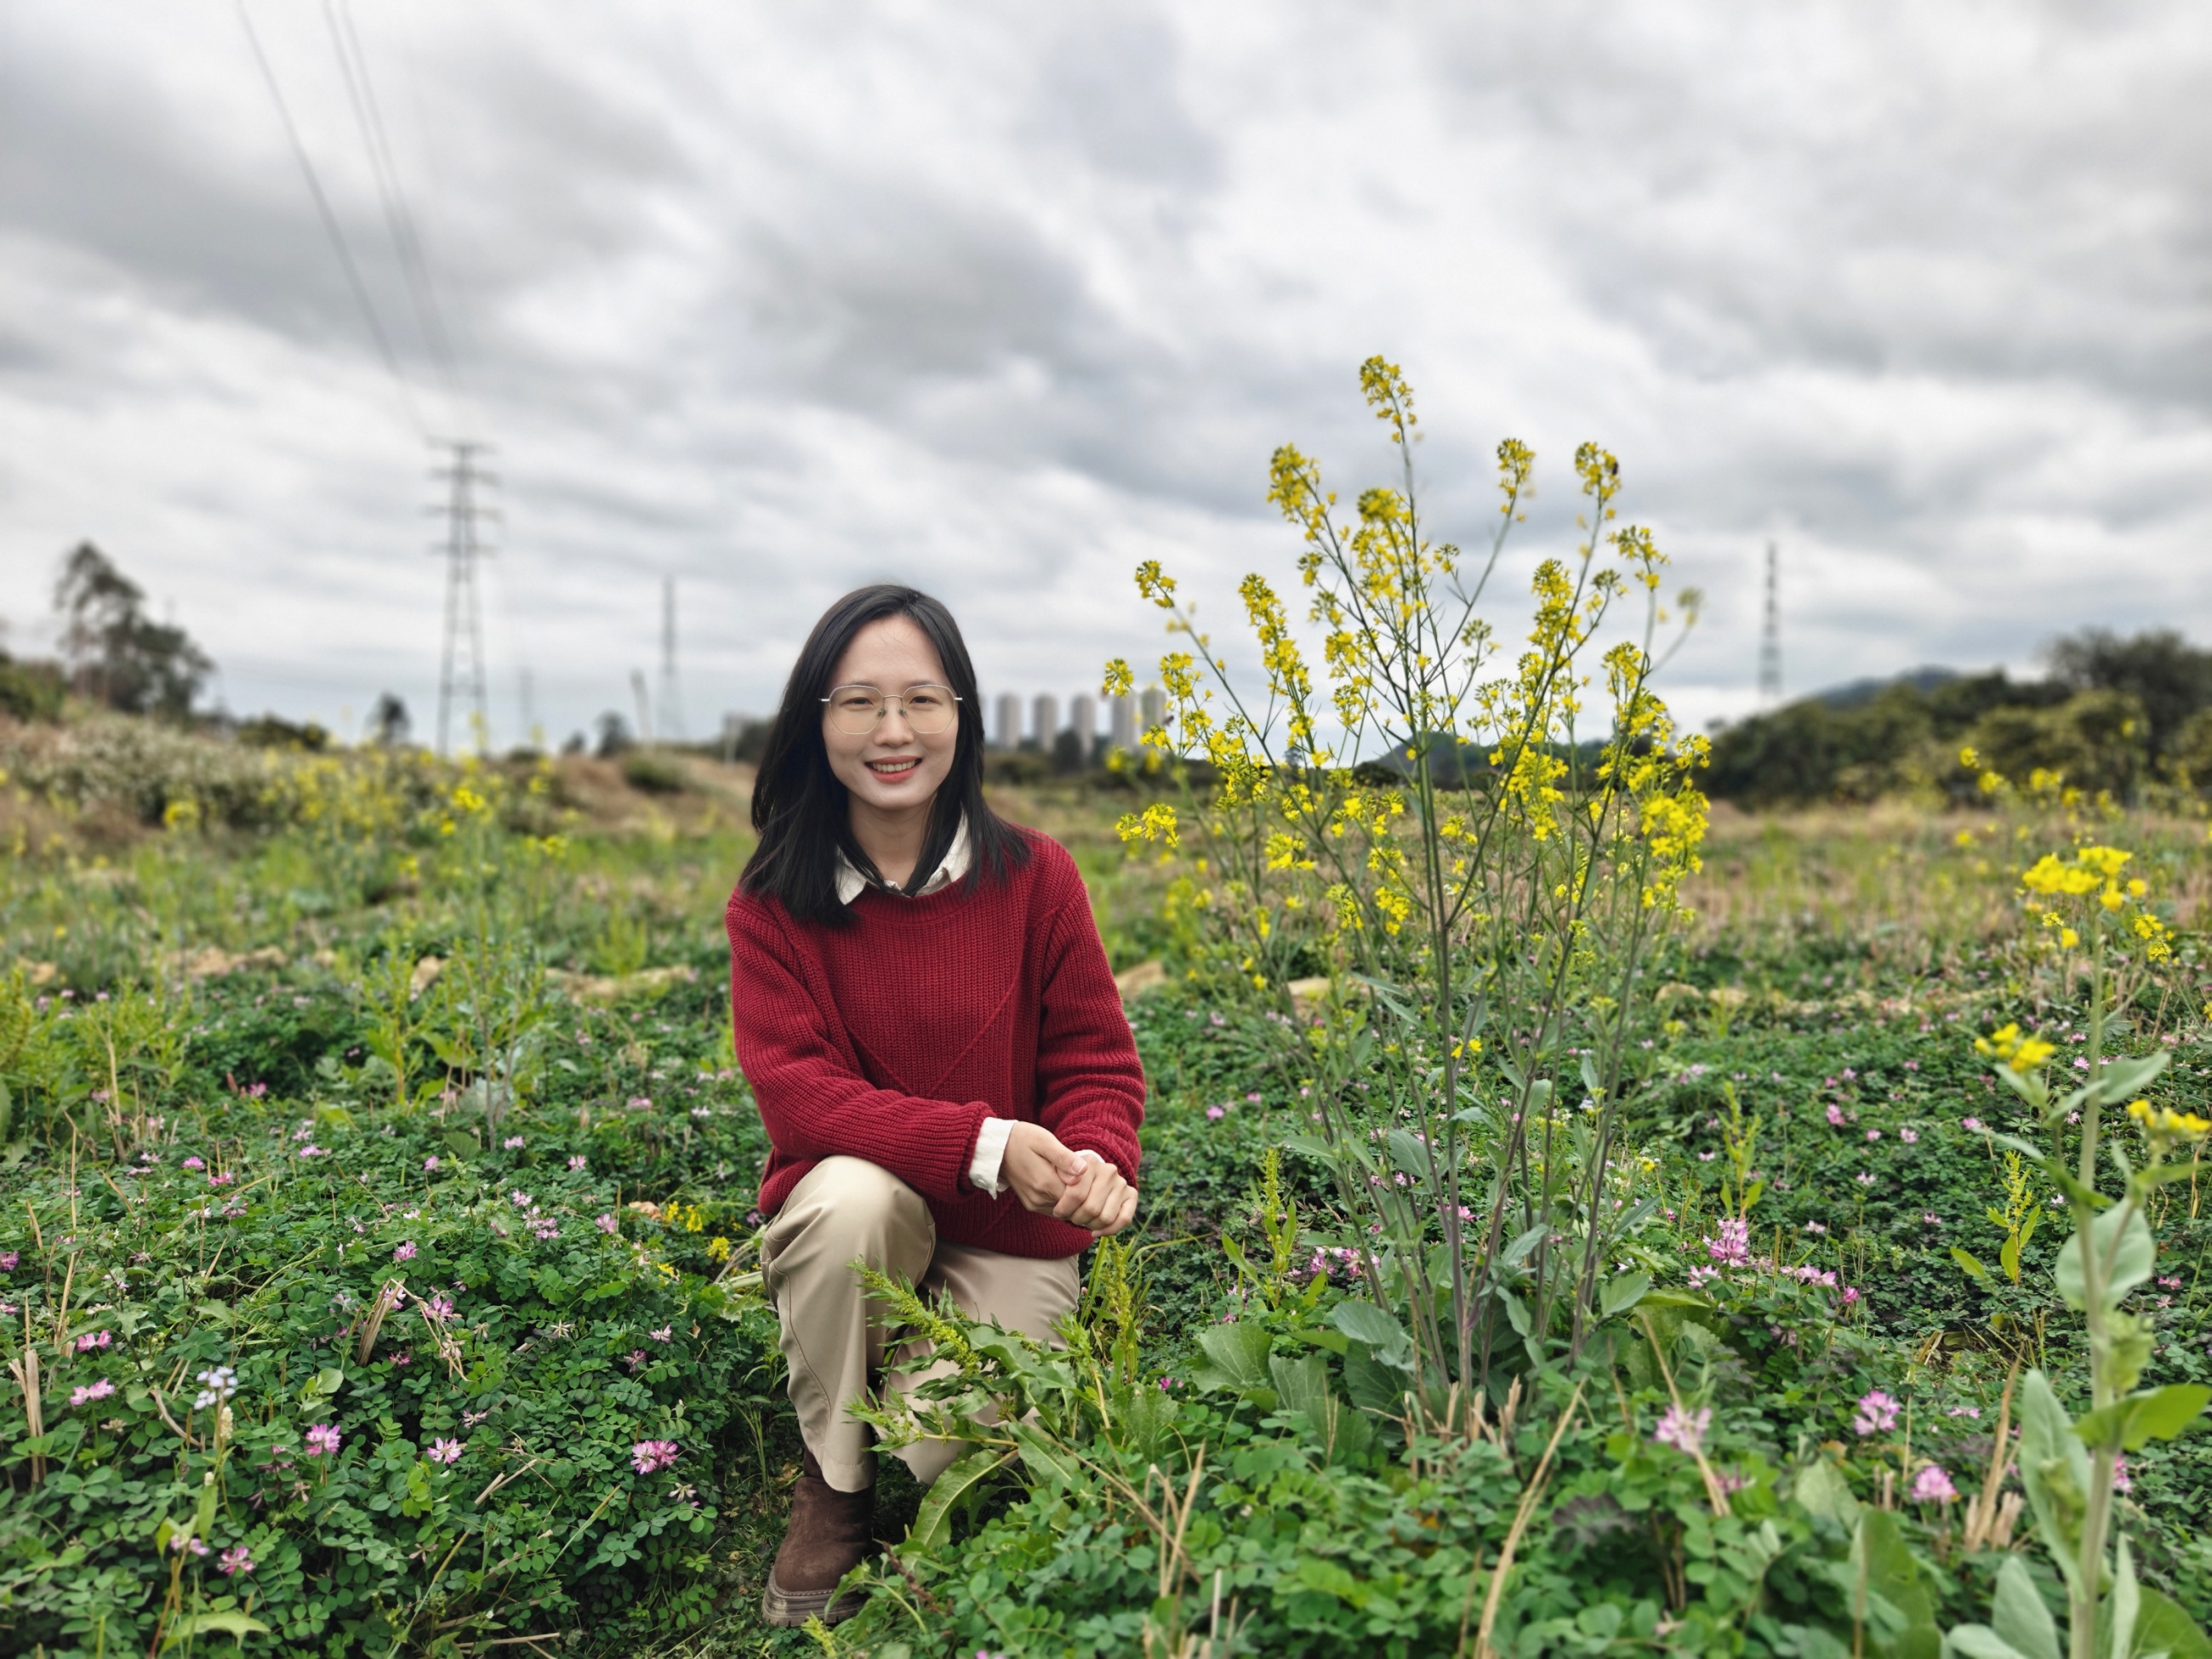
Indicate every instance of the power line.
{"type": "Point", "coordinates": [399, 219]}
{"type": "Point", "coordinates": [330, 223]}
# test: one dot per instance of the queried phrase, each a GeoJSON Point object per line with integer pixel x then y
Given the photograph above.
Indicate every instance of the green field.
{"type": "Point", "coordinates": [397, 1102]}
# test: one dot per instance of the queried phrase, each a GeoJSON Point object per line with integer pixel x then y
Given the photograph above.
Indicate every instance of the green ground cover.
{"type": "Point", "coordinates": [513, 1286]}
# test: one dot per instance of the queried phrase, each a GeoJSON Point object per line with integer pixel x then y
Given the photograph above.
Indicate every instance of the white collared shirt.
{"type": "Point", "coordinates": [983, 1168]}
{"type": "Point", "coordinates": [949, 869]}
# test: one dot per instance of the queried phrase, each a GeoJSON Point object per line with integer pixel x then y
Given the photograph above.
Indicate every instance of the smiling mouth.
{"type": "Point", "coordinates": [897, 767]}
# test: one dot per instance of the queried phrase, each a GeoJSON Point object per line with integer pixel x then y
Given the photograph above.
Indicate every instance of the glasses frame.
{"type": "Point", "coordinates": [891, 697]}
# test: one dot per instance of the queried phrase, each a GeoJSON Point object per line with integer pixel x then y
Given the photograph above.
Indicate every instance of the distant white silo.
{"type": "Point", "coordinates": [1154, 703]}
{"type": "Point", "coordinates": [1045, 721]}
{"type": "Point", "coordinates": [1083, 719]}
{"type": "Point", "coordinates": [1121, 723]}
{"type": "Point", "coordinates": [1008, 728]}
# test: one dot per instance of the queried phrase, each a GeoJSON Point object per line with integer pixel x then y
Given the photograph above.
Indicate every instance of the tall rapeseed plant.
{"type": "Point", "coordinates": [1463, 829]}
{"type": "Point", "coordinates": [2085, 903]}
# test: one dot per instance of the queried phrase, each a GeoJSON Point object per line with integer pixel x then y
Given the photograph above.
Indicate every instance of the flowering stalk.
{"type": "Point", "coordinates": [1454, 839]}
{"type": "Point", "coordinates": [2071, 1467]}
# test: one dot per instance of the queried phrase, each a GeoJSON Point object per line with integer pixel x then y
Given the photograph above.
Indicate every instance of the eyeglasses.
{"type": "Point", "coordinates": [929, 709]}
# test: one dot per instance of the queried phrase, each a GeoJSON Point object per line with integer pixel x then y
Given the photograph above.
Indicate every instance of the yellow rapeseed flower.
{"type": "Point", "coordinates": [2165, 1124]}
{"type": "Point", "coordinates": [2050, 876]}
{"type": "Point", "coordinates": [2018, 1054]}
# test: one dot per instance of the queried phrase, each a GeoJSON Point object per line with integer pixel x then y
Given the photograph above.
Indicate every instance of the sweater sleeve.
{"type": "Point", "coordinates": [1091, 1084]}
{"type": "Point", "coordinates": [812, 1101]}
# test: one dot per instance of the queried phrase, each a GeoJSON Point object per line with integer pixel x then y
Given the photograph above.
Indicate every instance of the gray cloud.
{"type": "Point", "coordinates": [1004, 299]}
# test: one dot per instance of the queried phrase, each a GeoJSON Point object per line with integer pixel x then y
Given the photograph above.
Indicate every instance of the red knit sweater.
{"type": "Point", "coordinates": [892, 1039]}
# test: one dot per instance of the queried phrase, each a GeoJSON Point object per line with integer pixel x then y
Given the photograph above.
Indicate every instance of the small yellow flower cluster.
{"type": "Point", "coordinates": [1156, 822]}
{"type": "Point", "coordinates": [2162, 1124]}
{"type": "Point", "coordinates": [2096, 870]}
{"type": "Point", "coordinates": [2018, 1053]}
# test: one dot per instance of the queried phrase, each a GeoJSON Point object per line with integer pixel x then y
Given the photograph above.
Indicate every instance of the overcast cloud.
{"type": "Point", "coordinates": [999, 298]}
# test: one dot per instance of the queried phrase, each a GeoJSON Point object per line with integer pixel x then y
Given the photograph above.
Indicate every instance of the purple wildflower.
{"type": "Point", "coordinates": [1684, 1430]}
{"type": "Point", "coordinates": [1877, 1414]}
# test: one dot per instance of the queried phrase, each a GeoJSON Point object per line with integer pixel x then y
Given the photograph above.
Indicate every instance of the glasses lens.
{"type": "Point", "coordinates": [855, 709]}
{"type": "Point", "coordinates": [930, 709]}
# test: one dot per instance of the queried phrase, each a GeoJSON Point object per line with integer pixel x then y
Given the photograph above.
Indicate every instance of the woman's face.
{"type": "Point", "coordinates": [892, 769]}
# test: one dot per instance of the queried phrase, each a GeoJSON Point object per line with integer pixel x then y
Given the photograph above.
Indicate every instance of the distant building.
{"type": "Point", "coordinates": [1083, 720]}
{"type": "Point", "coordinates": [1121, 723]}
{"type": "Point", "coordinates": [1006, 729]}
{"type": "Point", "coordinates": [1154, 701]}
{"type": "Point", "coordinates": [1045, 721]}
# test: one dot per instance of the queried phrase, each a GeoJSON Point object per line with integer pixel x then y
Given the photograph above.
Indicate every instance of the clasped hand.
{"type": "Point", "coordinates": [1081, 1188]}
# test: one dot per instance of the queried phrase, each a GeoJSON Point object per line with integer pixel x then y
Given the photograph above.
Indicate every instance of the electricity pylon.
{"type": "Point", "coordinates": [463, 610]}
{"type": "Point", "coordinates": [1769, 635]}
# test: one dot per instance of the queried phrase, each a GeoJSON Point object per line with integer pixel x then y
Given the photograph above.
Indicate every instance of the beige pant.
{"type": "Point", "coordinates": [848, 1209]}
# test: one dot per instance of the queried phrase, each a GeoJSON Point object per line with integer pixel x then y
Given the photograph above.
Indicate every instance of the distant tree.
{"type": "Point", "coordinates": [29, 690]}
{"type": "Point", "coordinates": [274, 731]}
{"type": "Point", "coordinates": [1868, 742]}
{"type": "Point", "coordinates": [614, 735]}
{"type": "Point", "coordinates": [388, 723]}
{"type": "Point", "coordinates": [2170, 677]}
{"type": "Point", "coordinates": [115, 652]}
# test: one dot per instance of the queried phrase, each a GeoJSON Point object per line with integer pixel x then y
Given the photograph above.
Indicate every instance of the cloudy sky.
{"type": "Point", "coordinates": [999, 298]}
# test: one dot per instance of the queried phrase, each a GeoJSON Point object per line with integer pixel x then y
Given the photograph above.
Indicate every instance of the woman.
{"type": "Point", "coordinates": [923, 1009]}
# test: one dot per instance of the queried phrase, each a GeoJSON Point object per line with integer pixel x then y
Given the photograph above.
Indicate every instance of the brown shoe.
{"type": "Point", "coordinates": [827, 1536]}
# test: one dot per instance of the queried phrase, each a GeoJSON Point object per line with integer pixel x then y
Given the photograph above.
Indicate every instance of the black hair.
{"type": "Point", "coordinates": [802, 813]}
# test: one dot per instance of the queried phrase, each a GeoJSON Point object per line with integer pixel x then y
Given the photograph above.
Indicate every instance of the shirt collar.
{"type": "Point", "coordinates": [949, 869]}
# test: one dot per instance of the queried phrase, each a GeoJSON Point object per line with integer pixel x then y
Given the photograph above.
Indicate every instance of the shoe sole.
{"type": "Point", "coordinates": [791, 1608]}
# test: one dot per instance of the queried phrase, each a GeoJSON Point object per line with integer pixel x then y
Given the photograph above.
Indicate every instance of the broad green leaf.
{"type": "Point", "coordinates": [1516, 1312]}
{"type": "Point", "coordinates": [1362, 1321]}
{"type": "Point", "coordinates": [2009, 1258]}
{"type": "Point", "coordinates": [1820, 1489]}
{"type": "Point", "coordinates": [230, 1623]}
{"type": "Point", "coordinates": [2123, 1242]}
{"type": "Point", "coordinates": [2163, 1625]}
{"type": "Point", "coordinates": [1638, 1213]}
{"type": "Point", "coordinates": [2019, 1615]}
{"type": "Point", "coordinates": [1591, 1080]}
{"type": "Point", "coordinates": [1408, 1154]}
{"type": "Point", "coordinates": [2054, 1467]}
{"type": "Point", "coordinates": [933, 1525]}
{"type": "Point", "coordinates": [1373, 1386]}
{"type": "Point", "coordinates": [1239, 1352]}
{"type": "Point", "coordinates": [1308, 1146]}
{"type": "Point", "coordinates": [2119, 1619]}
{"type": "Point", "coordinates": [1521, 1246]}
{"type": "Point", "coordinates": [1979, 1642]}
{"type": "Point", "coordinates": [1049, 1463]}
{"type": "Point", "coordinates": [2153, 1414]}
{"type": "Point", "coordinates": [1974, 1269]}
{"type": "Point", "coordinates": [1302, 1384]}
{"type": "Point", "coordinates": [1621, 1292]}
{"type": "Point", "coordinates": [2122, 1079]}
{"type": "Point", "coordinates": [1879, 1551]}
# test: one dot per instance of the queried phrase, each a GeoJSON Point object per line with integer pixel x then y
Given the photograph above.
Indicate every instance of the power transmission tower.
{"type": "Point", "coordinates": [1769, 635]}
{"type": "Point", "coordinates": [464, 611]}
{"type": "Point", "coordinates": [672, 697]}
